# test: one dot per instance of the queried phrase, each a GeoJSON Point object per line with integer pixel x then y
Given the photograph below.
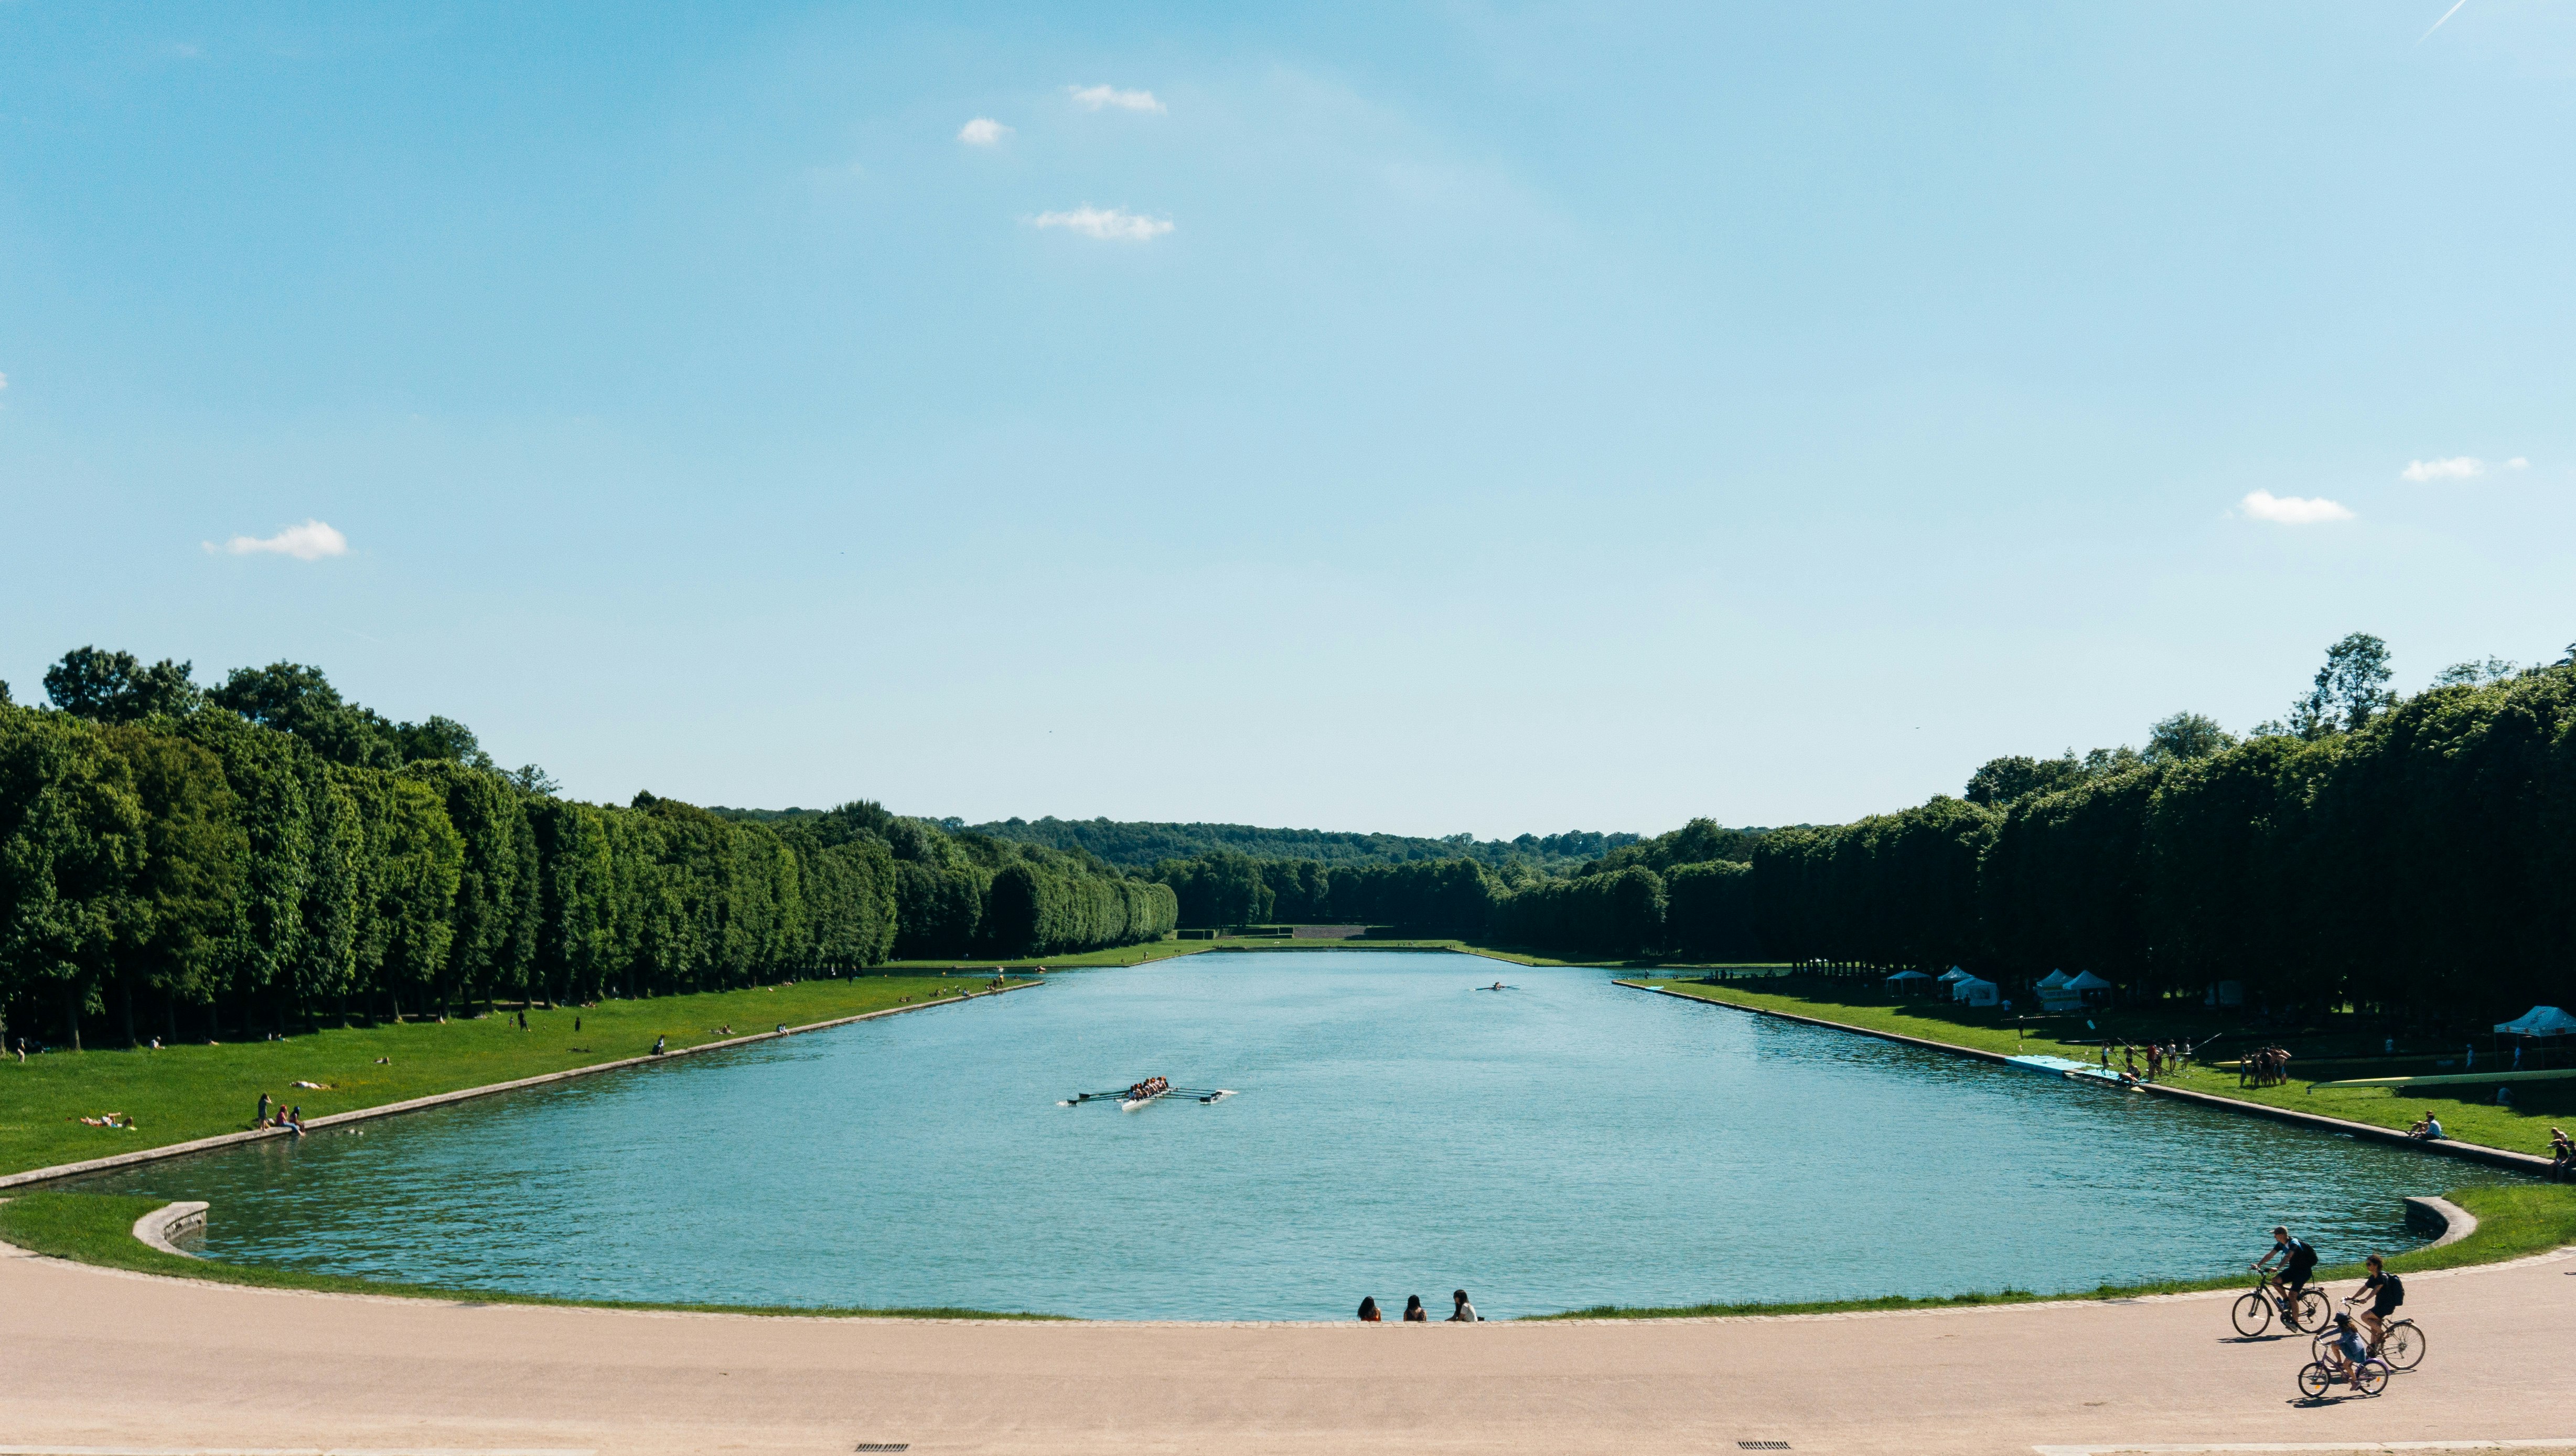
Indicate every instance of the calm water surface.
{"type": "Point", "coordinates": [1563, 1144]}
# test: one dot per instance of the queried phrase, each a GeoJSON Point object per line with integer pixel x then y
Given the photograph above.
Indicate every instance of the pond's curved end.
{"type": "Point", "coordinates": [169, 1222]}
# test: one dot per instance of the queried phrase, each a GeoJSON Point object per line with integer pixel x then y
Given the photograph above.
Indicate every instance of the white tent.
{"type": "Point", "coordinates": [2086, 981]}
{"type": "Point", "coordinates": [1975, 992]}
{"type": "Point", "coordinates": [2053, 980]}
{"type": "Point", "coordinates": [2539, 1021]}
{"type": "Point", "coordinates": [1909, 976]}
{"type": "Point", "coordinates": [1954, 976]}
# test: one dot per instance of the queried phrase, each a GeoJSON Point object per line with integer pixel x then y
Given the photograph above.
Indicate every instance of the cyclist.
{"type": "Point", "coordinates": [2298, 1260]}
{"type": "Point", "coordinates": [2386, 1292]}
{"type": "Point", "coordinates": [2345, 1352]}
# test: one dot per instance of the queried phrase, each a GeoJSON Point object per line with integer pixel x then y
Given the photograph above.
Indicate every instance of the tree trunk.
{"type": "Point", "coordinates": [72, 1011]}
{"type": "Point", "coordinates": [125, 1003]}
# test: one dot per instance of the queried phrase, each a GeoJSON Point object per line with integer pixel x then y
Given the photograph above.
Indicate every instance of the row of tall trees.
{"type": "Point", "coordinates": [2414, 856]}
{"type": "Point", "coordinates": [2409, 856]}
{"type": "Point", "coordinates": [181, 862]}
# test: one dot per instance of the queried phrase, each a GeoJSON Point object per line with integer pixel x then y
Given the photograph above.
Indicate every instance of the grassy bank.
{"type": "Point", "coordinates": [2512, 1222]}
{"type": "Point", "coordinates": [99, 1229]}
{"type": "Point", "coordinates": [180, 1093]}
{"type": "Point", "coordinates": [2323, 1051]}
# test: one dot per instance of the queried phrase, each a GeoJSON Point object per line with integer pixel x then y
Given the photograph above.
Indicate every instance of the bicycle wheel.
{"type": "Point", "coordinates": [2313, 1309]}
{"type": "Point", "coordinates": [2403, 1348]}
{"type": "Point", "coordinates": [2374, 1377]}
{"type": "Point", "coordinates": [2253, 1315]}
{"type": "Point", "coordinates": [2315, 1380]}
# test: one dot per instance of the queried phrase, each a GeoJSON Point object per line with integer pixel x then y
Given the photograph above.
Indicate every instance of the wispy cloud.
{"type": "Point", "coordinates": [1092, 98]}
{"type": "Point", "coordinates": [2293, 510]}
{"type": "Point", "coordinates": [1115, 224]}
{"type": "Point", "coordinates": [309, 542]}
{"type": "Point", "coordinates": [983, 131]}
{"type": "Point", "coordinates": [2457, 467]}
{"type": "Point", "coordinates": [2445, 20]}
{"type": "Point", "coordinates": [2516, 463]}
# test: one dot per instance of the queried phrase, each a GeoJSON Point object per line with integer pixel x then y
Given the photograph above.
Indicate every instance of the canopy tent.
{"type": "Point", "coordinates": [1954, 976]}
{"type": "Point", "coordinates": [2539, 1021]}
{"type": "Point", "coordinates": [2086, 981]}
{"type": "Point", "coordinates": [2053, 980]}
{"type": "Point", "coordinates": [1975, 992]}
{"type": "Point", "coordinates": [1909, 976]}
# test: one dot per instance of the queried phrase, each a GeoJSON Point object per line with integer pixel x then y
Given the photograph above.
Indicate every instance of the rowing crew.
{"type": "Point", "coordinates": [1150, 1087]}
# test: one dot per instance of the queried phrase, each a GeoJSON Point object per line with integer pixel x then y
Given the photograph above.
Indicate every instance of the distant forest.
{"type": "Point", "coordinates": [1142, 845]}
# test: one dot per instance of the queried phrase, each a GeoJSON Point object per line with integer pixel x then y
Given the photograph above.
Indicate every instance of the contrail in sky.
{"type": "Point", "coordinates": [2437, 25]}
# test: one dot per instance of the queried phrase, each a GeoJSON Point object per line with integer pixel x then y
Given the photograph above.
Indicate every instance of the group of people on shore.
{"type": "Point", "coordinates": [289, 1118]}
{"type": "Point", "coordinates": [2263, 1067]}
{"type": "Point", "coordinates": [1415, 1314]}
{"type": "Point", "coordinates": [2162, 1060]}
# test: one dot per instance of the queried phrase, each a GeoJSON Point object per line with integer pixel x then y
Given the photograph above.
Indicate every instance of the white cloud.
{"type": "Point", "coordinates": [2458, 467]}
{"type": "Point", "coordinates": [2516, 463]}
{"type": "Point", "coordinates": [1092, 98]}
{"type": "Point", "coordinates": [2293, 510]}
{"type": "Point", "coordinates": [309, 542]}
{"type": "Point", "coordinates": [4, 381]}
{"type": "Point", "coordinates": [1111, 223]}
{"type": "Point", "coordinates": [983, 131]}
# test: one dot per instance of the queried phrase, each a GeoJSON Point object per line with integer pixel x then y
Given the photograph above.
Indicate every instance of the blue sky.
{"type": "Point", "coordinates": [1410, 418]}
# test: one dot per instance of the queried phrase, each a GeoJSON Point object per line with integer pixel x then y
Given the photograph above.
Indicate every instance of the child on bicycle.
{"type": "Point", "coordinates": [2345, 1352]}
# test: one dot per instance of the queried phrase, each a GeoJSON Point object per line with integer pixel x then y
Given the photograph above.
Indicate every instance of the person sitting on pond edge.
{"type": "Point", "coordinates": [1466, 1313]}
{"type": "Point", "coordinates": [1414, 1313]}
{"type": "Point", "coordinates": [1368, 1310]}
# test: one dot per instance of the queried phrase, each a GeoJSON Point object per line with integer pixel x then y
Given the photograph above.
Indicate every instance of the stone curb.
{"type": "Point", "coordinates": [168, 1221]}
{"type": "Point", "coordinates": [2446, 1147]}
{"type": "Point", "coordinates": [38, 1176]}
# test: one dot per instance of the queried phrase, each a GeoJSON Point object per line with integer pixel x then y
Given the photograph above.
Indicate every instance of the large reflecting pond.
{"type": "Point", "coordinates": [1566, 1143]}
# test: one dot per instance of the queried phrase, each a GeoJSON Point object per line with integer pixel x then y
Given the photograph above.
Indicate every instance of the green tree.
{"type": "Point", "coordinates": [72, 841]}
{"type": "Point", "coordinates": [2185, 737]}
{"type": "Point", "coordinates": [114, 687]}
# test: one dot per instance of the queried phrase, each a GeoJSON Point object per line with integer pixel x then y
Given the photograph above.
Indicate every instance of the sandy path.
{"type": "Point", "coordinates": [96, 1358]}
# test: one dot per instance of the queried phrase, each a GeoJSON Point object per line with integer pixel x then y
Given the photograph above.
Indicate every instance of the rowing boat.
{"type": "Point", "coordinates": [1133, 1104]}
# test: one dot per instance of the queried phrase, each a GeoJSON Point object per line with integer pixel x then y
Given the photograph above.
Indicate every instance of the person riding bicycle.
{"type": "Point", "coordinates": [2345, 1352]}
{"type": "Point", "coordinates": [2298, 1260]}
{"type": "Point", "coordinates": [2386, 1292]}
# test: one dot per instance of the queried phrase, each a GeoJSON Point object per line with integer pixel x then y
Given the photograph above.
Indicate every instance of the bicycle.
{"type": "Point", "coordinates": [2316, 1378]}
{"type": "Point", "coordinates": [2400, 1343]}
{"type": "Point", "coordinates": [2253, 1311]}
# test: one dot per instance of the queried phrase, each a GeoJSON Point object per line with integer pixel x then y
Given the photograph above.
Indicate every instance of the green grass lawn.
{"type": "Point", "coordinates": [2323, 1052]}
{"type": "Point", "coordinates": [99, 1229]}
{"type": "Point", "coordinates": [2512, 1221]}
{"type": "Point", "coordinates": [184, 1092]}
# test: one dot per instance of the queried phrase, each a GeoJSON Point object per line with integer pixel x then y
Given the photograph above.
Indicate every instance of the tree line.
{"type": "Point", "coordinates": [251, 857]}
{"type": "Point", "coordinates": [2410, 857]}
